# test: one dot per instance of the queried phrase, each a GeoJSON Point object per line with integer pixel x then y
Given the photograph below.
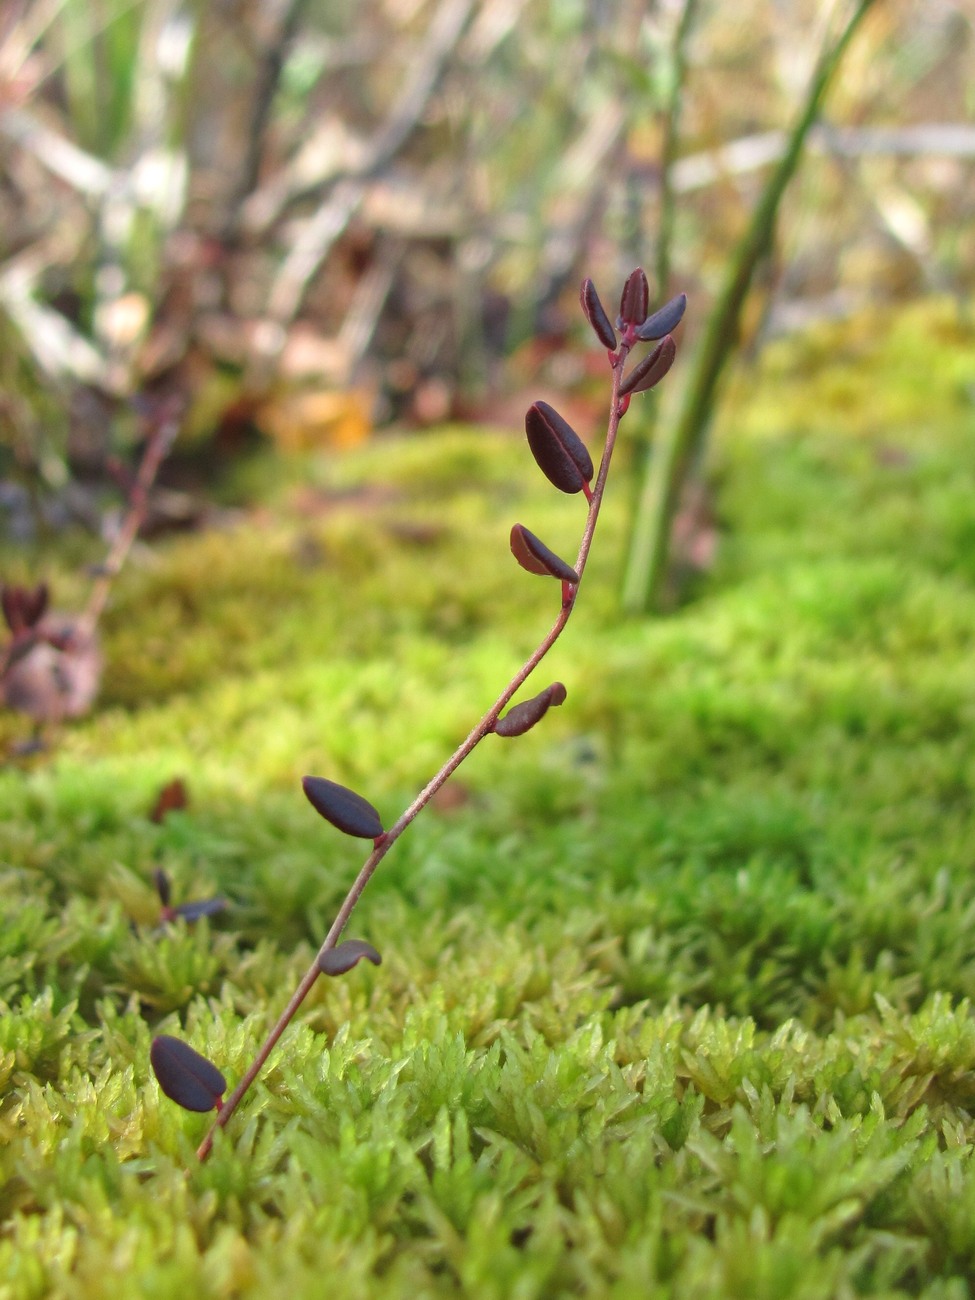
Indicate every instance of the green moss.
{"type": "Point", "coordinates": [676, 997]}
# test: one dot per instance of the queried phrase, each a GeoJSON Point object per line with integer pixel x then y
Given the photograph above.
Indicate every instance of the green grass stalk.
{"type": "Point", "coordinates": [678, 451]}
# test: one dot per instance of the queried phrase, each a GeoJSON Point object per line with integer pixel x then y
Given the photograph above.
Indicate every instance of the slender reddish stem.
{"type": "Point", "coordinates": [158, 446]}
{"type": "Point", "coordinates": [156, 450]}
{"type": "Point", "coordinates": [483, 728]}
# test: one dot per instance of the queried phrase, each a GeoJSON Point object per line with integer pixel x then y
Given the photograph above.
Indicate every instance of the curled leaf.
{"type": "Point", "coordinates": [532, 554]}
{"type": "Point", "coordinates": [184, 1075]}
{"type": "Point", "coordinates": [345, 809]}
{"type": "Point", "coordinates": [522, 717]}
{"type": "Point", "coordinates": [337, 960]}
{"type": "Point", "coordinates": [559, 451]}
{"type": "Point", "coordinates": [651, 369]}
{"type": "Point", "coordinates": [595, 314]}
{"type": "Point", "coordinates": [635, 301]}
{"type": "Point", "coordinates": [664, 321]}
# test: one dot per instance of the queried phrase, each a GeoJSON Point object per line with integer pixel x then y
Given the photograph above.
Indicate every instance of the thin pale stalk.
{"type": "Point", "coordinates": [483, 728]}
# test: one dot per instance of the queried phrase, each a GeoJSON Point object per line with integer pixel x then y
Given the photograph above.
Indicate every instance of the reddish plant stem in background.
{"type": "Point", "coordinates": [20, 644]}
{"type": "Point", "coordinates": [484, 728]}
{"type": "Point", "coordinates": [158, 446]}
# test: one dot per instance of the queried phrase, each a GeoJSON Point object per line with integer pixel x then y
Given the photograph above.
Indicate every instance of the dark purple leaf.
{"type": "Point", "coordinates": [185, 1076]}
{"type": "Point", "coordinates": [337, 960]}
{"type": "Point", "coordinates": [596, 315]}
{"type": "Point", "coordinates": [664, 321]}
{"type": "Point", "coordinates": [533, 555]}
{"type": "Point", "coordinates": [35, 604]}
{"type": "Point", "coordinates": [23, 607]}
{"type": "Point", "coordinates": [635, 300]}
{"type": "Point", "coordinates": [522, 717]}
{"type": "Point", "coordinates": [342, 807]}
{"type": "Point", "coordinates": [651, 369]}
{"type": "Point", "coordinates": [11, 601]}
{"type": "Point", "coordinates": [202, 907]}
{"type": "Point", "coordinates": [161, 881]}
{"type": "Point", "coordinates": [560, 452]}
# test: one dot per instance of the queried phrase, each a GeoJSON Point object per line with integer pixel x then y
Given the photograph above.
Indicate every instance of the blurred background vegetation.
{"type": "Point", "coordinates": [308, 221]}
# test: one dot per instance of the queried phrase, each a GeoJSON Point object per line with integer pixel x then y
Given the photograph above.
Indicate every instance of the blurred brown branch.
{"type": "Point", "coordinates": [232, 199]}
{"type": "Point", "coordinates": [335, 213]}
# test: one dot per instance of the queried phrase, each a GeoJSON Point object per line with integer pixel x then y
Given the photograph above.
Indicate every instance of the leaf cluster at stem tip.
{"type": "Point", "coordinates": [183, 1074]}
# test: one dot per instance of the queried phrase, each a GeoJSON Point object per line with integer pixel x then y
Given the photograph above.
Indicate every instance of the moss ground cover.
{"type": "Point", "coordinates": [676, 989]}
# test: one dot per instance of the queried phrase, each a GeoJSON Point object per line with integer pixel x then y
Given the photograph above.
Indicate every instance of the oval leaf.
{"type": "Point", "coordinates": [664, 321]}
{"type": "Point", "coordinates": [651, 369]}
{"type": "Point", "coordinates": [202, 907]}
{"type": "Point", "coordinates": [596, 315]}
{"type": "Point", "coordinates": [23, 607]}
{"type": "Point", "coordinates": [35, 604]}
{"type": "Point", "coordinates": [559, 451]}
{"type": "Point", "coordinates": [337, 960]}
{"type": "Point", "coordinates": [163, 888]}
{"type": "Point", "coordinates": [635, 302]}
{"type": "Point", "coordinates": [11, 600]}
{"type": "Point", "coordinates": [522, 717]}
{"type": "Point", "coordinates": [345, 809]}
{"type": "Point", "coordinates": [185, 1076]}
{"type": "Point", "coordinates": [532, 554]}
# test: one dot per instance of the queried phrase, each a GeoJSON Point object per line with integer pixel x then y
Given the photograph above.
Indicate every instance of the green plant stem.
{"type": "Point", "coordinates": [668, 153]}
{"type": "Point", "coordinates": [676, 455]}
{"type": "Point", "coordinates": [483, 728]}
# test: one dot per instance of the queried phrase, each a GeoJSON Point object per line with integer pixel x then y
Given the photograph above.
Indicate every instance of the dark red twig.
{"type": "Point", "coordinates": [485, 727]}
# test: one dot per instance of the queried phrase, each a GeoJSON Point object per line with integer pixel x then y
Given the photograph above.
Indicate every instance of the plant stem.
{"type": "Point", "coordinates": [677, 454]}
{"type": "Point", "coordinates": [672, 124]}
{"type": "Point", "coordinates": [158, 446]}
{"type": "Point", "coordinates": [483, 728]}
